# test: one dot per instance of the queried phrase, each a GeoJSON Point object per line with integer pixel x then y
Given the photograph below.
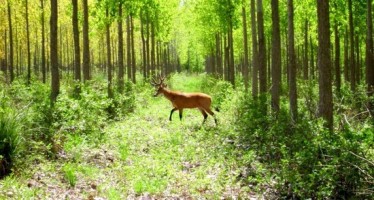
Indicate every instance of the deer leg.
{"type": "Point", "coordinates": [171, 113]}
{"type": "Point", "coordinates": [180, 114]}
{"type": "Point", "coordinates": [204, 114]}
{"type": "Point", "coordinates": [208, 110]}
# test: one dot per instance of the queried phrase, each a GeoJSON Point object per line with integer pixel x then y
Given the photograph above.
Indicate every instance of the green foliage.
{"type": "Point", "coordinates": [70, 174]}
{"type": "Point", "coordinates": [308, 161]}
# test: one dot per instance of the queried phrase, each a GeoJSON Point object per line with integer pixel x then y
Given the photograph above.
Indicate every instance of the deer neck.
{"type": "Point", "coordinates": [168, 94]}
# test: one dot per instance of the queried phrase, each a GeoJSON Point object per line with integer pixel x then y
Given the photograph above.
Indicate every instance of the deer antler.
{"type": "Point", "coordinates": [159, 81]}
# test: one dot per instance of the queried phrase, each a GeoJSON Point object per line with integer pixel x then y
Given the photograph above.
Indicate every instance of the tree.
{"type": "Point", "coordinates": [245, 43]}
{"type": "Point", "coordinates": [77, 56]}
{"type": "Point", "coordinates": [254, 50]}
{"type": "Point", "coordinates": [292, 62]}
{"type": "Point", "coordinates": [369, 56]}
{"type": "Point", "coordinates": [55, 82]}
{"type": "Point", "coordinates": [337, 58]}
{"type": "Point", "coordinates": [261, 48]}
{"type": "Point", "coordinates": [44, 70]}
{"type": "Point", "coordinates": [11, 49]}
{"type": "Point", "coordinates": [108, 53]}
{"type": "Point", "coordinates": [324, 63]}
{"type": "Point", "coordinates": [28, 42]}
{"type": "Point", "coordinates": [86, 43]}
{"type": "Point", "coordinates": [352, 50]}
{"type": "Point", "coordinates": [120, 50]}
{"type": "Point", "coordinates": [128, 48]}
{"type": "Point", "coordinates": [275, 56]}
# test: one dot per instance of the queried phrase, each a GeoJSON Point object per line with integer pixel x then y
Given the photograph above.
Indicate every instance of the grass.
{"type": "Point", "coordinates": [144, 155]}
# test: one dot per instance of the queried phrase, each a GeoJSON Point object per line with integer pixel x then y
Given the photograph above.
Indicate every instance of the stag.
{"type": "Point", "coordinates": [182, 100]}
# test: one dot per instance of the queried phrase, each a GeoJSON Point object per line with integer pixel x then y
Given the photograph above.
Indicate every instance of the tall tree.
{"type": "Point", "coordinates": [337, 58]}
{"type": "Point", "coordinates": [28, 42]}
{"type": "Point", "coordinates": [292, 61]}
{"type": "Point", "coordinates": [120, 49]}
{"type": "Point", "coordinates": [254, 50]}
{"type": "Point", "coordinates": [245, 43]}
{"type": "Point", "coordinates": [276, 56]}
{"type": "Point", "coordinates": [77, 56]}
{"type": "Point", "coordinates": [133, 58]}
{"type": "Point", "coordinates": [306, 47]}
{"type": "Point", "coordinates": [11, 49]}
{"type": "Point", "coordinates": [352, 50]}
{"type": "Point", "coordinates": [43, 43]}
{"type": "Point", "coordinates": [128, 48]}
{"type": "Point", "coordinates": [108, 53]}
{"type": "Point", "coordinates": [55, 82]}
{"type": "Point", "coordinates": [261, 47]}
{"type": "Point", "coordinates": [86, 43]}
{"type": "Point", "coordinates": [369, 56]}
{"type": "Point", "coordinates": [324, 63]}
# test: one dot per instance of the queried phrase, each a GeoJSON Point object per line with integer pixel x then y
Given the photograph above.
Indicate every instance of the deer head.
{"type": "Point", "coordinates": [158, 83]}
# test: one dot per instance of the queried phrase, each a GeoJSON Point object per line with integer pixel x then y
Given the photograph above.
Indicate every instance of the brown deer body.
{"type": "Point", "coordinates": [181, 100]}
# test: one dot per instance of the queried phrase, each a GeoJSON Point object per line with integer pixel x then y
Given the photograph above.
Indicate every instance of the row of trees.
{"type": "Point", "coordinates": [283, 47]}
{"type": "Point", "coordinates": [126, 37]}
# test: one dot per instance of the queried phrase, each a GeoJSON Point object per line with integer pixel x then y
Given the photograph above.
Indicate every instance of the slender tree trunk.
{"type": "Point", "coordinates": [262, 48]}
{"type": "Point", "coordinates": [144, 49]}
{"type": "Point", "coordinates": [357, 64]}
{"type": "Point", "coordinates": [324, 63]}
{"type": "Point", "coordinates": [147, 46]}
{"type": "Point", "coordinates": [245, 43]}
{"type": "Point", "coordinates": [292, 62]}
{"type": "Point", "coordinates": [55, 82]}
{"type": "Point", "coordinates": [28, 42]}
{"type": "Point", "coordinates": [346, 59]}
{"type": "Point", "coordinates": [369, 57]}
{"type": "Point", "coordinates": [120, 50]}
{"type": "Point", "coordinates": [11, 52]}
{"type": "Point", "coordinates": [153, 60]}
{"type": "Point", "coordinates": [109, 56]}
{"type": "Point", "coordinates": [312, 68]}
{"type": "Point", "coordinates": [254, 50]}
{"type": "Point", "coordinates": [276, 57]}
{"type": "Point", "coordinates": [133, 60]}
{"type": "Point", "coordinates": [306, 46]}
{"type": "Point", "coordinates": [337, 58]}
{"type": "Point", "coordinates": [352, 56]}
{"type": "Point", "coordinates": [128, 48]}
{"type": "Point", "coordinates": [77, 56]}
{"type": "Point", "coordinates": [231, 64]}
{"type": "Point", "coordinates": [86, 43]}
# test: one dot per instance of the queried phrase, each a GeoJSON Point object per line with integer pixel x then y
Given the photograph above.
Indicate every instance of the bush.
{"type": "Point", "coordinates": [305, 159]}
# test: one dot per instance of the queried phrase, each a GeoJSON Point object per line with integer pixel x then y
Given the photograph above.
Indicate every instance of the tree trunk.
{"type": "Point", "coordinates": [231, 65]}
{"type": "Point", "coordinates": [292, 62]}
{"type": "Point", "coordinates": [144, 50]}
{"type": "Point", "coordinates": [275, 57]}
{"type": "Point", "coordinates": [11, 52]}
{"type": "Point", "coordinates": [245, 43]}
{"type": "Point", "coordinates": [147, 46]}
{"type": "Point", "coordinates": [261, 48]}
{"type": "Point", "coordinates": [352, 56]}
{"type": "Point", "coordinates": [306, 47]}
{"type": "Point", "coordinates": [77, 57]}
{"type": "Point", "coordinates": [28, 43]}
{"type": "Point", "coordinates": [254, 51]}
{"type": "Point", "coordinates": [153, 46]}
{"type": "Point", "coordinates": [346, 59]}
{"type": "Point", "coordinates": [324, 66]}
{"type": "Point", "coordinates": [86, 43]}
{"type": "Point", "coordinates": [128, 48]}
{"type": "Point", "coordinates": [120, 50]}
{"type": "Point", "coordinates": [369, 57]}
{"type": "Point", "coordinates": [109, 57]}
{"type": "Point", "coordinates": [133, 60]}
{"type": "Point", "coordinates": [55, 82]}
{"type": "Point", "coordinates": [337, 58]}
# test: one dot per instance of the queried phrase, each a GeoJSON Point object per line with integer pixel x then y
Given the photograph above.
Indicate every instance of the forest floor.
{"type": "Point", "coordinates": [143, 156]}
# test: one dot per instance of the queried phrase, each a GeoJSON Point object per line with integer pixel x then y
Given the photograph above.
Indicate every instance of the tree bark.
{"type": "Point", "coordinates": [337, 58]}
{"type": "Point", "coordinates": [120, 50]}
{"type": "Point", "coordinates": [261, 48]}
{"type": "Point", "coordinates": [306, 47]}
{"type": "Point", "coordinates": [324, 63]}
{"type": "Point", "coordinates": [276, 57]}
{"type": "Point", "coordinates": [128, 48]}
{"type": "Point", "coordinates": [55, 82]}
{"type": "Point", "coordinates": [292, 62]}
{"type": "Point", "coordinates": [254, 51]}
{"type": "Point", "coordinates": [11, 49]}
{"type": "Point", "coordinates": [352, 51]}
{"type": "Point", "coordinates": [109, 57]}
{"type": "Point", "coordinates": [28, 42]}
{"type": "Point", "coordinates": [369, 57]}
{"type": "Point", "coordinates": [77, 57]}
{"type": "Point", "coordinates": [245, 43]}
{"type": "Point", "coordinates": [133, 60]}
{"type": "Point", "coordinates": [86, 43]}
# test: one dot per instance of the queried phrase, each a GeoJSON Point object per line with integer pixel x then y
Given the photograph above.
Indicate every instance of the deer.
{"type": "Point", "coordinates": [182, 100]}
